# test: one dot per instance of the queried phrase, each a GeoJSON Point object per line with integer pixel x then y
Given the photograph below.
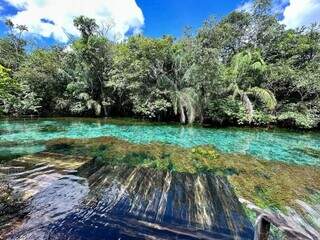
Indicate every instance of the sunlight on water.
{"type": "Point", "coordinates": [69, 196]}
{"type": "Point", "coordinates": [21, 137]}
{"type": "Point", "coordinates": [122, 202]}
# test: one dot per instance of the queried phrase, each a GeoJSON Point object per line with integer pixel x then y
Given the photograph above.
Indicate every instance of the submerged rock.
{"type": "Point", "coordinates": [194, 203]}
{"type": "Point", "coordinates": [303, 224]}
{"type": "Point", "coordinates": [269, 184]}
{"type": "Point", "coordinates": [129, 202]}
{"type": "Point", "coordinates": [10, 205]}
{"type": "Point", "coordinates": [57, 160]}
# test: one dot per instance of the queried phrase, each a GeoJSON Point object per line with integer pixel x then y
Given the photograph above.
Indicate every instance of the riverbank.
{"type": "Point", "coordinates": [145, 121]}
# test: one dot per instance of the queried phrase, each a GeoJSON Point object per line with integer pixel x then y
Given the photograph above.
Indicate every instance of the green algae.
{"type": "Point", "coordinates": [52, 128]}
{"type": "Point", "coordinates": [10, 203]}
{"type": "Point", "coordinates": [268, 184]}
{"type": "Point", "coordinates": [310, 151]}
{"type": "Point", "coordinates": [59, 161]}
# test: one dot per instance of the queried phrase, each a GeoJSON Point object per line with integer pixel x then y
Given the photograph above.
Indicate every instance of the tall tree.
{"type": "Point", "coordinates": [90, 60]}
{"type": "Point", "coordinates": [242, 74]}
{"type": "Point", "coordinates": [12, 46]}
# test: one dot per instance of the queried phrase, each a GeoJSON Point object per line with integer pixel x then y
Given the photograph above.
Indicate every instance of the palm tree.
{"type": "Point", "coordinates": [184, 99]}
{"type": "Point", "coordinates": [242, 65]}
{"type": "Point", "coordinates": [185, 102]}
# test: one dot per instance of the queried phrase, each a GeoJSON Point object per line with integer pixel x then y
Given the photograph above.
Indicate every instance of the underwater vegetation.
{"type": "Point", "coordinates": [51, 128]}
{"type": "Point", "coordinates": [121, 202]}
{"type": "Point", "coordinates": [10, 203]}
{"type": "Point", "coordinates": [309, 151]}
{"type": "Point", "coordinates": [268, 184]}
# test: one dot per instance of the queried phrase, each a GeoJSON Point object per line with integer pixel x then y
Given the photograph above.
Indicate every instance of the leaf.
{"type": "Point", "coordinates": [265, 95]}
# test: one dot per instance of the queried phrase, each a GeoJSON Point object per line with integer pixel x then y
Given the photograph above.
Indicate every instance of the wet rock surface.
{"type": "Point", "coordinates": [128, 203]}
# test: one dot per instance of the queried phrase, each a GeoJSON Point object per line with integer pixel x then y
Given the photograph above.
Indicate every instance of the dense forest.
{"type": "Point", "coordinates": [245, 69]}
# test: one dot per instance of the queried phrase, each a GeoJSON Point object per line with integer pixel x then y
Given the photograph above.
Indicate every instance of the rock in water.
{"type": "Point", "coordinates": [136, 203]}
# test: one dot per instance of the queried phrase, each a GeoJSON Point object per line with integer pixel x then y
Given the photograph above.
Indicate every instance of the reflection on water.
{"type": "Point", "coordinates": [121, 202]}
{"type": "Point", "coordinates": [300, 148]}
{"type": "Point", "coordinates": [303, 223]}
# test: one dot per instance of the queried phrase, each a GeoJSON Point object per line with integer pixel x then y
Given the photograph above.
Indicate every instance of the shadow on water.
{"type": "Point", "coordinates": [128, 203]}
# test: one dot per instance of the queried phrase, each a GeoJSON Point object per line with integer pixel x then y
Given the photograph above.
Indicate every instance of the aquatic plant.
{"type": "Point", "coordinates": [51, 128]}
{"type": "Point", "coordinates": [269, 184]}
{"type": "Point", "coordinates": [309, 151]}
{"type": "Point", "coordinates": [10, 203]}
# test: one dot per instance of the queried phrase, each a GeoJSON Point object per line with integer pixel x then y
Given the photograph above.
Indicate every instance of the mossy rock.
{"type": "Point", "coordinates": [10, 203]}
{"type": "Point", "coordinates": [269, 184]}
{"type": "Point", "coordinates": [310, 151]}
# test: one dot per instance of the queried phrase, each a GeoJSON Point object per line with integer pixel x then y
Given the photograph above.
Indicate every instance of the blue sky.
{"type": "Point", "coordinates": [50, 21]}
{"type": "Point", "coordinates": [171, 16]}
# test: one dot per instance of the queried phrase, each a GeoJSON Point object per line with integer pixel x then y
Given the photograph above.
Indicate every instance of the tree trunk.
{"type": "Point", "coordinates": [182, 115]}
{"type": "Point", "coordinates": [103, 100]}
{"type": "Point", "coordinates": [248, 106]}
{"type": "Point", "coordinates": [104, 108]}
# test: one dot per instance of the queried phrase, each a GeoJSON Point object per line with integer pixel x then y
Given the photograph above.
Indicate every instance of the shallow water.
{"type": "Point", "coordinates": [122, 203]}
{"type": "Point", "coordinates": [28, 136]}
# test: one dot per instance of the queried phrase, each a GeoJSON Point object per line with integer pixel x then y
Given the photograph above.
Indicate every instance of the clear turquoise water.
{"type": "Point", "coordinates": [29, 136]}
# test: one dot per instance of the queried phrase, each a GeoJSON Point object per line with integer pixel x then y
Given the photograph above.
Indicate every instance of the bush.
{"type": "Point", "coordinates": [296, 119]}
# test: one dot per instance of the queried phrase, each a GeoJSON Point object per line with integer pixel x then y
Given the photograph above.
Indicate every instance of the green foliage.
{"type": "Point", "coordinates": [87, 26]}
{"type": "Point", "coordinates": [7, 84]}
{"type": "Point", "coordinates": [86, 70]}
{"type": "Point", "coordinates": [15, 97]}
{"type": "Point", "coordinates": [138, 69]}
{"type": "Point", "coordinates": [245, 69]}
{"type": "Point", "coordinates": [265, 95]}
{"type": "Point", "coordinates": [40, 73]}
{"type": "Point", "coordinates": [297, 119]}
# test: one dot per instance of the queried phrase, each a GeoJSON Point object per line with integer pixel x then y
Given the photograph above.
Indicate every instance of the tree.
{"type": "Point", "coordinates": [139, 66]}
{"type": "Point", "coordinates": [12, 46]}
{"type": "Point", "coordinates": [242, 74]}
{"type": "Point", "coordinates": [16, 98]}
{"type": "Point", "coordinates": [41, 73]}
{"type": "Point", "coordinates": [177, 80]}
{"type": "Point", "coordinates": [86, 26]}
{"type": "Point", "coordinates": [7, 88]}
{"type": "Point", "coordinates": [87, 71]}
{"type": "Point", "coordinates": [244, 69]}
{"type": "Point", "coordinates": [294, 76]}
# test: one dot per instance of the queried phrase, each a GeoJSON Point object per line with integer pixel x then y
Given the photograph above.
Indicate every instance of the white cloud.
{"type": "Point", "coordinates": [245, 7]}
{"type": "Point", "coordinates": [296, 13]}
{"type": "Point", "coordinates": [301, 12]}
{"type": "Point", "coordinates": [278, 6]}
{"type": "Point", "coordinates": [1, 8]}
{"type": "Point", "coordinates": [124, 15]}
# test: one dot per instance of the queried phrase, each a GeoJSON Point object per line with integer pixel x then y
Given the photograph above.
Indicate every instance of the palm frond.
{"type": "Point", "coordinates": [265, 96]}
{"type": "Point", "coordinates": [190, 101]}
{"type": "Point", "coordinates": [92, 104]}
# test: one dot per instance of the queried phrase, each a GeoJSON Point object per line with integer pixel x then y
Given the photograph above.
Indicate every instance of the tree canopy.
{"type": "Point", "coordinates": [245, 69]}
